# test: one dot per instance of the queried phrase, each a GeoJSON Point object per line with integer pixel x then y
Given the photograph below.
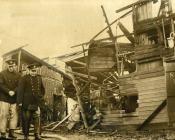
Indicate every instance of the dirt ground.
{"type": "Point", "coordinates": [144, 135]}
{"type": "Point", "coordinates": [115, 135]}
{"type": "Point", "coordinates": [159, 135]}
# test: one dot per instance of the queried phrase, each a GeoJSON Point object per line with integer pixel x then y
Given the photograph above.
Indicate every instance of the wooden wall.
{"type": "Point", "coordinates": [150, 87]}
{"type": "Point", "coordinates": [52, 82]}
{"type": "Point", "coordinates": [152, 91]}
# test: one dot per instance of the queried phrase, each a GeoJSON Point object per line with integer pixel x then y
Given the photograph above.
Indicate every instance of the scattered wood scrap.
{"type": "Point", "coordinates": [61, 122]}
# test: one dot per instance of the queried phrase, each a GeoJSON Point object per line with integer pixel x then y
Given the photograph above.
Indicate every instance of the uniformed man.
{"type": "Point", "coordinates": [8, 88]}
{"type": "Point", "coordinates": [30, 96]}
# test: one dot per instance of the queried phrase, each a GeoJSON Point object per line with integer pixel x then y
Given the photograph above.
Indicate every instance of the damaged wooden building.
{"type": "Point", "coordinates": [132, 84]}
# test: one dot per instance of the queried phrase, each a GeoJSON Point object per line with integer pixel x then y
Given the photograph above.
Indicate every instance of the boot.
{"type": "Point", "coordinates": [38, 137]}
{"type": "Point", "coordinates": [3, 136]}
{"type": "Point", "coordinates": [12, 134]}
{"type": "Point", "coordinates": [26, 138]}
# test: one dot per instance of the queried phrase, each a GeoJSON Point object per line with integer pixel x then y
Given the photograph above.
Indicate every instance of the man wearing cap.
{"type": "Point", "coordinates": [9, 79]}
{"type": "Point", "coordinates": [30, 95]}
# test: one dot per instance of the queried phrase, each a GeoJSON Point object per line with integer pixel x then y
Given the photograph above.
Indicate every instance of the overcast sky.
{"type": "Point", "coordinates": [50, 27]}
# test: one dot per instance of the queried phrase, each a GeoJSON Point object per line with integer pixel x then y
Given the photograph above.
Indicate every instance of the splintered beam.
{"type": "Point", "coordinates": [126, 32]}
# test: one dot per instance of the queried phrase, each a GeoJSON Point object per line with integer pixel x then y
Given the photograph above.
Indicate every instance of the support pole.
{"type": "Point", "coordinates": [19, 60]}
{"type": "Point", "coordinates": [116, 55]}
{"type": "Point", "coordinates": [107, 21]}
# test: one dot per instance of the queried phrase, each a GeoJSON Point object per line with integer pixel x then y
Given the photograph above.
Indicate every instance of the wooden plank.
{"type": "Point", "coordinates": [109, 27]}
{"type": "Point", "coordinates": [112, 116]}
{"type": "Point", "coordinates": [61, 122]}
{"type": "Point", "coordinates": [126, 86]}
{"type": "Point", "coordinates": [149, 104]}
{"type": "Point", "coordinates": [151, 100]}
{"type": "Point", "coordinates": [145, 50]}
{"type": "Point", "coordinates": [148, 108]}
{"type": "Point", "coordinates": [153, 115]}
{"type": "Point", "coordinates": [149, 59]}
{"type": "Point", "coordinates": [81, 75]}
{"type": "Point", "coordinates": [150, 88]}
{"type": "Point", "coordinates": [161, 89]}
{"type": "Point", "coordinates": [148, 112]}
{"type": "Point", "coordinates": [126, 32]}
{"type": "Point", "coordinates": [141, 47]}
{"type": "Point", "coordinates": [112, 111]}
{"type": "Point", "coordinates": [79, 62]}
{"type": "Point", "coordinates": [149, 96]}
{"type": "Point", "coordinates": [146, 55]}
{"type": "Point", "coordinates": [151, 93]}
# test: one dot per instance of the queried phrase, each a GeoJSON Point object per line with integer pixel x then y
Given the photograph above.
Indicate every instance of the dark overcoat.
{"type": "Point", "coordinates": [30, 91]}
{"type": "Point", "coordinates": [8, 81]}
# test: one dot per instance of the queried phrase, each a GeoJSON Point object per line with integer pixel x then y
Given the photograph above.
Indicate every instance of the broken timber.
{"type": "Point", "coordinates": [126, 33]}
{"type": "Point", "coordinates": [61, 122]}
{"type": "Point", "coordinates": [86, 43]}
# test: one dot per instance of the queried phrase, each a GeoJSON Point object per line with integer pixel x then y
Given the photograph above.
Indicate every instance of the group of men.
{"type": "Point", "coordinates": [24, 93]}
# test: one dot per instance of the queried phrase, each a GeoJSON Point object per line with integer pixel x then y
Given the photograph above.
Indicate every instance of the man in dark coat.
{"type": "Point", "coordinates": [9, 79]}
{"type": "Point", "coordinates": [30, 96]}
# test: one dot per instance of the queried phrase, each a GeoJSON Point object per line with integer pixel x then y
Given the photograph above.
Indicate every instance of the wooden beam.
{"type": "Point", "coordinates": [19, 60]}
{"type": "Point", "coordinates": [86, 43]}
{"type": "Point", "coordinates": [107, 21]}
{"type": "Point", "coordinates": [153, 114]}
{"type": "Point", "coordinates": [78, 62]}
{"type": "Point", "coordinates": [80, 102]}
{"type": "Point", "coordinates": [141, 2]}
{"type": "Point", "coordinates": [95, 84]}
{"type": "Point", "coordinates": [61, 122]}
{"type": "Point", "coordinates": [81, 75]}
{"type": "Point", "coordinates": [78, 67]}
{"type": "Point", "coordinates": [126, 32]}
{"type": "Point", "coordinates": [125, 14]}
{"type": "Point", "coordinates": [99, 40]}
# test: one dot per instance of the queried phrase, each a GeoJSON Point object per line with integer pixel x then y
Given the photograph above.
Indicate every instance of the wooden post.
{"type": "Point", "coordinates": [19, 60]}
{"type": "Point", "coordinates": [87, 69]}
{"type": "Point", "coordinates": [79, 101]}
{"type": "Point", "coordinates": [107, 21]}
{"type": "Point", "coordinates": [170, 10]}
{"type": "Point", "coordinates": [116, 55]}
{"type": "Point", "coordinates": [164, 37]}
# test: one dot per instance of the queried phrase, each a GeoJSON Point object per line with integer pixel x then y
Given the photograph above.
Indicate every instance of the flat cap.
{"type": "Point", "coordinates": [33, 66]}
{"type": "Point", "coordinates": [11, 61]}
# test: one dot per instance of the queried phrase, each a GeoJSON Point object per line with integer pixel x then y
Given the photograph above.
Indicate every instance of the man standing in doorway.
{"type": "Point", "coordinates": [9, 79]}
{"type": "Point", "coordinates": [30, 97]}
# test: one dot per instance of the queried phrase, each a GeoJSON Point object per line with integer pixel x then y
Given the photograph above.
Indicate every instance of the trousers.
{"type": "Point", "coordinates": [27, 116]}
{"type": "Point", "coordinates": [8, 116]}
